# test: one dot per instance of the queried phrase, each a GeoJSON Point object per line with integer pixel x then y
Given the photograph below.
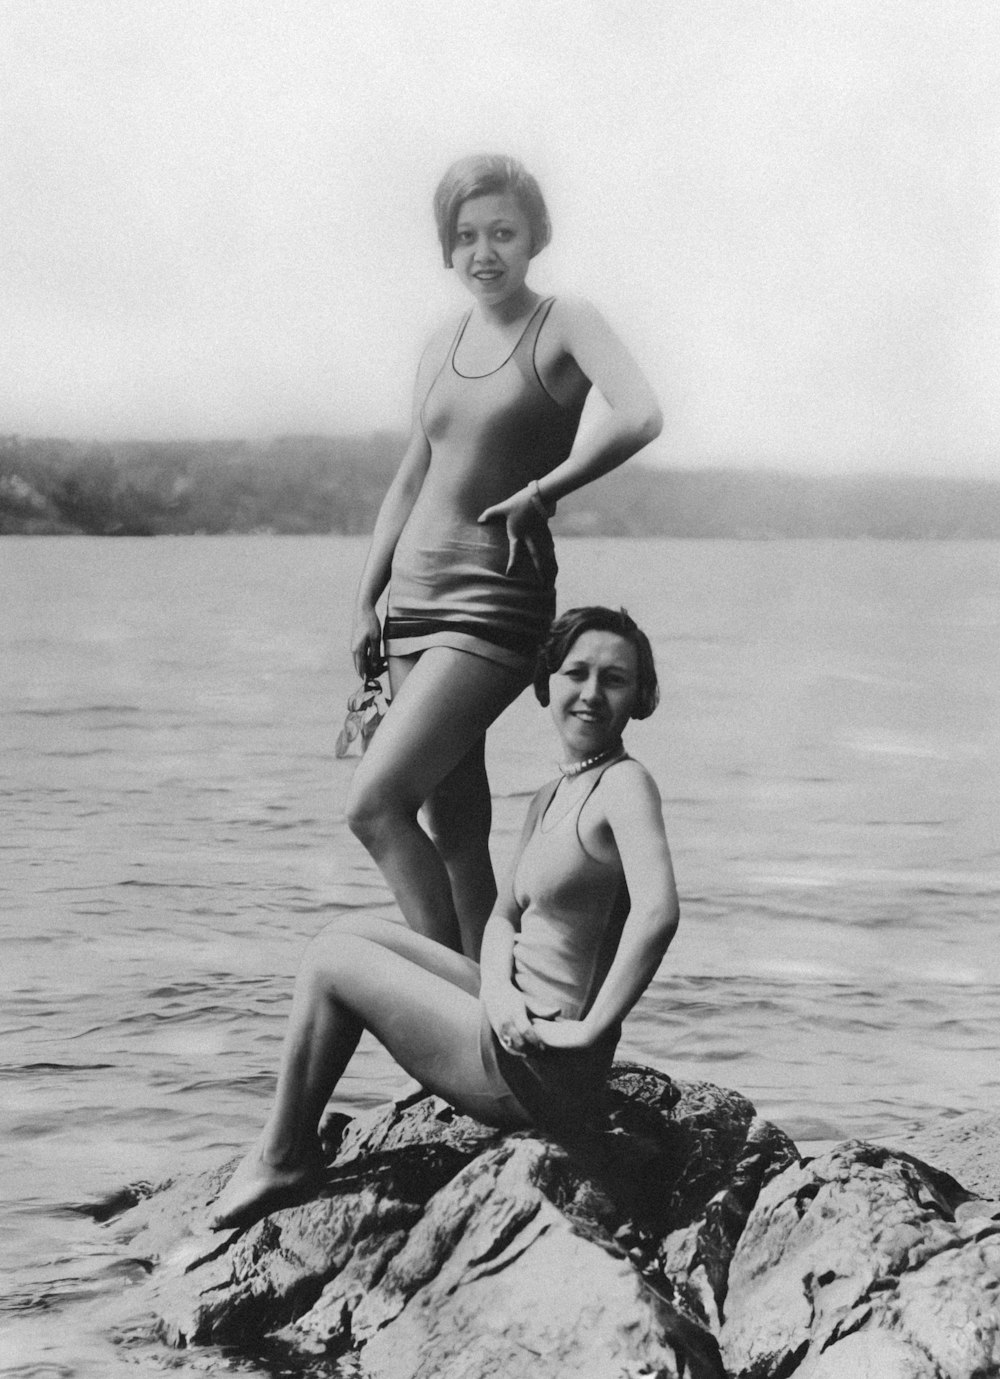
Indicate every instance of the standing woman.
{"type": "Point", "coordinates": [463, 545]}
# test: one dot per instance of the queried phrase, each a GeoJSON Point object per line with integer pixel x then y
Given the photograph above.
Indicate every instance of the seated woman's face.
{"type": "Point", "coordinates": [492, 248]}
{"type": "Point", "coordinates": [593, 693]}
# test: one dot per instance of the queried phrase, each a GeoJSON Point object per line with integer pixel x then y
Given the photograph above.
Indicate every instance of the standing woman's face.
{"type": "Point", "coordinates": [492, 248]}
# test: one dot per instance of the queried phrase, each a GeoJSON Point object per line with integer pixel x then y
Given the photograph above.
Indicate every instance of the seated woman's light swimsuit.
{"type": "Point", "coordinates": [573, 910]}
{"type": "Point", "coordinates": [490, 435]}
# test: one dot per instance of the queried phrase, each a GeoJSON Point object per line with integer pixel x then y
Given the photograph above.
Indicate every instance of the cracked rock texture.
{"type": "Point", "coordinates": [441, 1248]}
{"type": "Point", "coordinates": [688, 1240]}
{"type": "Point", "coordinates": [865, 1262]}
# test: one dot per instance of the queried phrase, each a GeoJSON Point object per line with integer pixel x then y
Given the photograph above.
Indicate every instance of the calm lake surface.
{"type": "Point", "coordinates": [172, 832]}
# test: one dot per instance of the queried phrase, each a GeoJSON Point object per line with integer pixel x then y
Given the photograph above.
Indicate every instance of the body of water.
{"type": "Point", "coordinates": [172, 816]}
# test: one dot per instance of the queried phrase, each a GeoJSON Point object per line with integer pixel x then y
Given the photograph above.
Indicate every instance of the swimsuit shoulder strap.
{"type": "Point", "coordinates": [589, 795]}
{"type": "Point", "coordinates": [529, 336]}
{"type": "Point", "coordinates": [598, 777]}
{"type": "Point", "coordinates": [448, 360]}
{"type": "Point", "coordinates": [543, 799]}
{"type": "Point", "coordinates": [458, 336]}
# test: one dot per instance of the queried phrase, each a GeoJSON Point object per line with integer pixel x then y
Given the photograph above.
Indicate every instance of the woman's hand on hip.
{"type": "Point", "coordinates": [366, 642]}
{"type": "Point", "coordinates": [524, 523]}
{"type": "Point", "coordinates": [564, 1034]}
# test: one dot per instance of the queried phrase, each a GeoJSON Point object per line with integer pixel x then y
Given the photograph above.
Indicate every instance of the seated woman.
{"type": "Point", "coordinates": [526, 1037]}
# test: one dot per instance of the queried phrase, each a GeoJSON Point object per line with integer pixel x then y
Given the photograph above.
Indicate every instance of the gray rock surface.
{"type": "Point", "coordinates": [689, 1239]}
{"type": "Point", "coordinates": [865, 1262]}
{"type": "Point", "coordinates": [441, 1248]}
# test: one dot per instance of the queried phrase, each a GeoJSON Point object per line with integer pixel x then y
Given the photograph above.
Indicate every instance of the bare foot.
{"type": "Point", "coordinates": [257, 1188]}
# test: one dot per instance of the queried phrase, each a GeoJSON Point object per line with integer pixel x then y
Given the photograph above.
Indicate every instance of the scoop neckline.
{"type": "Point", "coordinates": [503, 364]}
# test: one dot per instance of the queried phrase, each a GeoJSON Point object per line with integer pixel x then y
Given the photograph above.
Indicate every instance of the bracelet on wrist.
{"type": "Point", "coordinates": [545, 509]}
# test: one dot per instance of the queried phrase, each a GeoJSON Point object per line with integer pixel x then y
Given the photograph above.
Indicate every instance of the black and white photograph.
{"type": "Point", "coordinates": [500, 689]}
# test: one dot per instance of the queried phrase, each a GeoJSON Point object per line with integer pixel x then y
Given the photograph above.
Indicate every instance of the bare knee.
{"type": "Point", "coordinates": [364, 811]}
{"type": "Point", "coordinates": [352, 924]}
{"type": "Point", "coordinates": [375, 806]}
{"type": "Point", "coordinates": [330, 959]}
{"type": "Point", "coordinates": [333, 929]}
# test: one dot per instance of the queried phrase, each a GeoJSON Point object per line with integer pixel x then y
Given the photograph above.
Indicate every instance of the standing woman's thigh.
{"type": "Point", "coordinates": [445, 702]}
{"type": "Point", "coordinates": [463, 795]}
{"type": "Point", "coordinates": [461, 801]}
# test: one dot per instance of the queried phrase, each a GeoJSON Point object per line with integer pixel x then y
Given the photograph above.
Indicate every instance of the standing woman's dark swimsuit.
{"type": "Point", "coordinates": [490, 435]}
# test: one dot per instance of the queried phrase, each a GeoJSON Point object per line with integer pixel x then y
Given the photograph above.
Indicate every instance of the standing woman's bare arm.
{"type": "Point", "coordinates": [366, 633]}
{"type": "Point", "coordinates": [580, 334]}
{"type": "Point", "coordinates": [577, 343]}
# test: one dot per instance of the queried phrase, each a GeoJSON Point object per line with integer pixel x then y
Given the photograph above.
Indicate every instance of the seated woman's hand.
{"type": "Point", "coordinates": [564, 1034]}
{"type": "Point", "coordinates": [510, 1020]}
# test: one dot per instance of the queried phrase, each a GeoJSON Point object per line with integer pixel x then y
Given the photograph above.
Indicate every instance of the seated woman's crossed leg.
{"type": "Point", "coordinates": [418, 998]}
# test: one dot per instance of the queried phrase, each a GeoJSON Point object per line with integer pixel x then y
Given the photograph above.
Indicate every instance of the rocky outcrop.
{"type": "Point", "coordinates": [441, 1248]}
{"type": "Point", "coordinates": [689, 1239]}
{"type": "Point", "coordinates": [865, 1262]}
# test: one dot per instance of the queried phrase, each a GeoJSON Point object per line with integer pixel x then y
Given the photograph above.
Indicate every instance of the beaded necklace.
{"type": "Point", "coordinates": [551, 820]}
{"type": "Point", "coordinates": [578, 767]}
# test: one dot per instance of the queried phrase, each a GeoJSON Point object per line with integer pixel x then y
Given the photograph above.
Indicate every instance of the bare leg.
{"type": "Point", "coordinates": [443, 703]}
{"type": "Point", "coordinates": [417, 997]}
{"type": "Point", "coordinates": [458, 814]}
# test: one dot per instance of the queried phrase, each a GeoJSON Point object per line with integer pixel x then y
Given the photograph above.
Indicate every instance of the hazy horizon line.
{"type": "Point", "coordinates": [968, 469]}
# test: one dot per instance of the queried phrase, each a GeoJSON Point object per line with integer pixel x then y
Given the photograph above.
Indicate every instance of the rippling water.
{"type": "Point", "coordinates": [172, 832]}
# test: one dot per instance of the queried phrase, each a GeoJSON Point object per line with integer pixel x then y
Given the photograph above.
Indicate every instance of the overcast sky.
{"type": "Point", "coordinates": [215, 214]}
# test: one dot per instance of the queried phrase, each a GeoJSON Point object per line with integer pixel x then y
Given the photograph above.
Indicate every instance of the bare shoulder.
{"type": "Point", "coordinates": [583, 331]}
{"type": "Point", "coordinates": [432, 360]}
{"type": "Point", "coordinates": [439, 343]}
{"type": "Point", "coordinates": [634, 813]}
{"type": "Point", "coordinates": [629, 791]}
{"type": "Point", "coordinates": [628, 775]}
{"type": "Point", "coordinates": [446, 330]}
{"type": "Point", "coordinates": [571, 314]}
{"type": "Point", "coordinates": [627, 821]}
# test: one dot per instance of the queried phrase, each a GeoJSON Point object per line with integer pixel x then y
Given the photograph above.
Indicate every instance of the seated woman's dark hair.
{"type": "Point", "coordinates": [565, 631]}
{"type": "Point", "coordinates": [489, 174]}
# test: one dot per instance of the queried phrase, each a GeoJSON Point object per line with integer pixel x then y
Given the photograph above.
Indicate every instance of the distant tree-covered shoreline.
{"type": "Point", "coordinates": [334, 484]}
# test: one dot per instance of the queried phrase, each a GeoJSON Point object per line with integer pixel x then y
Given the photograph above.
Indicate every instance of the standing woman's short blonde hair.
{"type": "Point", "coordinates": [489, 174]}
